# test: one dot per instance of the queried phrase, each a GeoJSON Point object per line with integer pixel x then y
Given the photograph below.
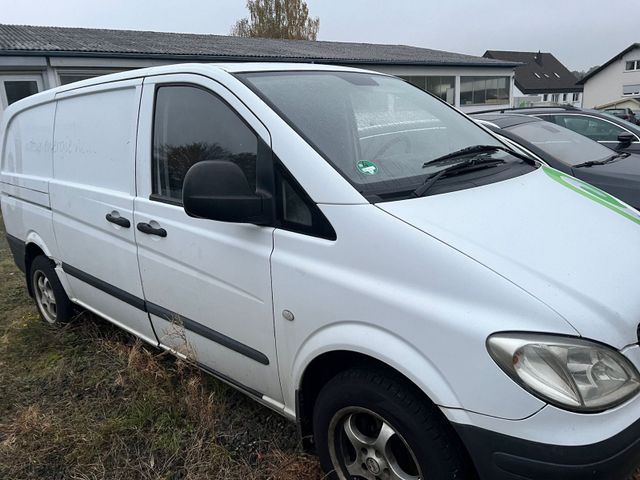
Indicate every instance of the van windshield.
{"type": "Point", "coordinates": [377, 131]}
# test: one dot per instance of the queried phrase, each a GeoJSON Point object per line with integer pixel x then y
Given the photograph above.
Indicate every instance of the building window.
{"type": "Point", "coordinates": [443, 87]}
{"type": "Point", "coordinates": [71, 76]}
{"type": "Point", "coordinates": [558, 76]}
{"type": "Point", "coordinates": [631, 90]}
{"type": "Point", "coordinates": [66, 79]}
{"type": "Point", "coordinates": [19, 89]}
{"type": "Point", "coordinates": [537, 75]}
{"type": "Point", "coordinates": [545, 97]}
{"type": "Point", "coordinates": [564, 97]}
{"type": "Point", "coordinates": [632, 65]}
{"type": "Point", "coordinates": [484, 90]}
{"type": "Point", "coordinates": [555, 97]}
{"type": "Point", "coordinates": [576, 97]}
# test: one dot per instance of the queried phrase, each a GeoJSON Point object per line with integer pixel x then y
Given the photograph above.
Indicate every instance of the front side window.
{"type": "Point", "coordinates": [191, 125]}
{"type": "Point", "coordinates": [591, 127]}
{"type": "Point", "coordinates": [565, 145]}
{"type": "Point", "coordinates": [377, 131]}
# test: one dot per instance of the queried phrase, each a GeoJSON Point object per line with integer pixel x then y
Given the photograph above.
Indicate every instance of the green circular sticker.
{"type": "Point", "coordinates": [367, 167]}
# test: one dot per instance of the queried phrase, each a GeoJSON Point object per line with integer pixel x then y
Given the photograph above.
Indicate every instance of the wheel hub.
{"type": "Point", "coordinates": [45, 296]}
{"type": "Point", "coordinates": [365, 446]}
{"type": "Point", "coordinates": [372, 465]}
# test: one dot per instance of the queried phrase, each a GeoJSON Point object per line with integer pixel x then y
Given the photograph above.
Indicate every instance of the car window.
{"type": "Point", "coordinates": [625, 123]}
{"type": "Point", "coordinates": [191, 125]}
{"type": "Point", "coordinates": [561, 143]}
{"type": "Point", "coordinates": [594, 128]}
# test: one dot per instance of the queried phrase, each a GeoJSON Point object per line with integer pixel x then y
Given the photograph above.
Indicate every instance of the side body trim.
{"type": "Point", "coordinates": [105, 287]}
{"type": "Point", "coordinates": [159, 311]}
{"type": "Point", "coordinates": [208, 333]}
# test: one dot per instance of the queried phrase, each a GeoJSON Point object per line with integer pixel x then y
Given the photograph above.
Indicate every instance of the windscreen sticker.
{"type": "Point", "coordinates": [595, 194]}
{"type": "Point", "coordinates": [367, 167]}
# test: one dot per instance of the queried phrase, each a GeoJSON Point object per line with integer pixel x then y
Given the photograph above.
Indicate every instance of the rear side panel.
{"type": "Point", "coordinates": [26, 171]}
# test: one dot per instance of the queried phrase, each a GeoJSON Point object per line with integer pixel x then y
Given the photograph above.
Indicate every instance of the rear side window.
{"type": "Point", "coordinates": [591, 127]}
{"type": "Point", "coordinates": [191, 125]}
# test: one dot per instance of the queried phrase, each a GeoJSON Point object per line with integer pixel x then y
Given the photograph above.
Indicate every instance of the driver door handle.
{"type": "Point", "coordinates": [149, 230]}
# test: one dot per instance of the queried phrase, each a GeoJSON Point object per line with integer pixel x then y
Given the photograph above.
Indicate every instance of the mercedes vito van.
{"type": "Point", "coordinates": [348, 250]}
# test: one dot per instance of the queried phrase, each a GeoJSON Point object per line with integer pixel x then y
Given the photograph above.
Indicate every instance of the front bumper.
{"type": "Point", "coordinates": [503, 457]}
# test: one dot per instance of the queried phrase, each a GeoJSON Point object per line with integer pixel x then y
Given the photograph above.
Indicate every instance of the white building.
{"type": "Point", "coordinates": [615, 83]}
{"type": "Point", "coordinates": [35, 58]}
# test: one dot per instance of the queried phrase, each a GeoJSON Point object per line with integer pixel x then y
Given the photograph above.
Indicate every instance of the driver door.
{"type": "Point", "coordinates": [207, 284]}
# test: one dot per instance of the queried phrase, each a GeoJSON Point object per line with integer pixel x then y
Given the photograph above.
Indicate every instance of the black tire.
{"type": "Point", "coordinates": [54, 307]}
{"type": "Point", "coordinates": [365, 397]}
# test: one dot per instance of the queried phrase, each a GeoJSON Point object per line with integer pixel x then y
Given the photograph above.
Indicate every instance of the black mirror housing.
{"type": "Point", "coordinates": [625, 138]}
{"type": "Point", "coordinates": [219, 190]}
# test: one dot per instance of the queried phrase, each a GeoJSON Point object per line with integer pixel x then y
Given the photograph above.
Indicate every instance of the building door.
{"type": "Point", "coordinates": [17, 87]}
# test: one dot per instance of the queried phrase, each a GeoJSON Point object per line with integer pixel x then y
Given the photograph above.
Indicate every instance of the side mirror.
{"type": "Point", "coordinates": [625, 138]}
{"type": "Point", "coordinates": [219, 190]}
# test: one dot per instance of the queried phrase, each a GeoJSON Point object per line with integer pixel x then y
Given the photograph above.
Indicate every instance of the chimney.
{"type": "Point", "coordinates": [538, 58]}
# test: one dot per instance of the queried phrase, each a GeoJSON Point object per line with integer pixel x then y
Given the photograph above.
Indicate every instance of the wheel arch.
{"type": "Point", "coordinates": [323, 359]}
{"type": "Point", "coordinates": [34, 246]}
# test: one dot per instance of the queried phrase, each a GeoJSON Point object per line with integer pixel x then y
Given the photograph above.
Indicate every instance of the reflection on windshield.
{"type": "Point", "coordinates": [563, 144]}
{"type": "Point", "coordinates": [376, 130]}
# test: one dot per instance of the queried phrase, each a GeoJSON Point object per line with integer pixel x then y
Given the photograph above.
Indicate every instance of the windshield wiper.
{"type": "Point", "coordinates": [475, 163]}
{"type": "Point", "coordinates": [472, 150]}
{"type": "Point", "coordinates": [612, 158]}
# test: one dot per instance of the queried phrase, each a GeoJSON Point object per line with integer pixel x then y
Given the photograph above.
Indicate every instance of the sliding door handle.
{"type": "Point", "coordinates": [149, 230]}
{"type": "Point", "coordinates": [118, 220]}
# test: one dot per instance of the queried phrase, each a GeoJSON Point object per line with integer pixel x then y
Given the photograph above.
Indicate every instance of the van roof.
{"type": "Point", "coordinates": [204, 68]}
{"type": "Point", "coordinates": [207, 69]}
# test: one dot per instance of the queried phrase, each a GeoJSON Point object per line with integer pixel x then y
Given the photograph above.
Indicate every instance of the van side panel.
{"type": "Point", "coordinates": [27, 164]}
{"type": "Point", "coordinates": [24, 182]}
{"type": "Point", "coordinates": [94, 177]}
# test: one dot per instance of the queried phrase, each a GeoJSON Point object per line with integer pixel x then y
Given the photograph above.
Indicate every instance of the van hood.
{"type": "Point", "coordinates": [570, 245]}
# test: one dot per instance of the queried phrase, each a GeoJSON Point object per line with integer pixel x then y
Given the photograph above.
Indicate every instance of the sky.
{"type": "Point", "coordinates": [580, 33]}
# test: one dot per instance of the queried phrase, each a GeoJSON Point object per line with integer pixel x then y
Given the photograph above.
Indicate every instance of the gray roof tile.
{"type": "Point", "coordinates": [539, 72]}
{"type": "Point", "coordinates": [26, 39]}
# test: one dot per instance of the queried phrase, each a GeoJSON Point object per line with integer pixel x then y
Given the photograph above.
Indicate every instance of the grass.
{"type": "Point", "coordinates": [88, 401]}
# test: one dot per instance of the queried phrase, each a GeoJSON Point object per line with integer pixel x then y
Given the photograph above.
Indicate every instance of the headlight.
{"type": "Point", "coordinates": [571, 373]}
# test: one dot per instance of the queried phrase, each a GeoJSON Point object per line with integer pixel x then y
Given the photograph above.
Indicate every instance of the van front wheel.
{"type": "Point", "coordinates": [371, 425]}
{"type": "Point", "coordinates": [51, 300]}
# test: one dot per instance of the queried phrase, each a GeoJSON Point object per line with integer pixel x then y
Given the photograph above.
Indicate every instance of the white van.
{"type": "Point", "coordinates": [348, 250]}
